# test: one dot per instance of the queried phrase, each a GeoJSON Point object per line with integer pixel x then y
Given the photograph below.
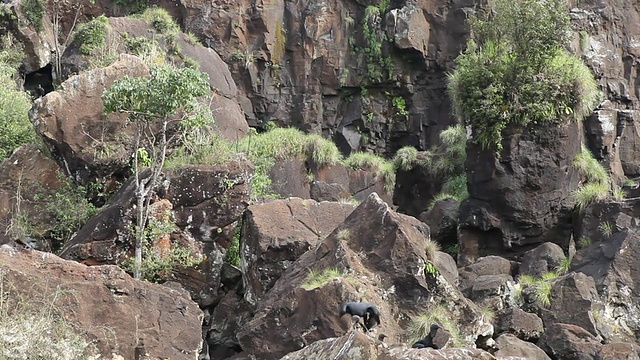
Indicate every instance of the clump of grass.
{"type": "Point", "coordinates": [92, 35]}
{"type": "Point", "coordinates": [191, 38]}
{"type": "Point", "coordinates": [597, 179]}
{"type": "Point", "coordinates": [405, 158]}
{"type": "Point", "coordinates": [210, 150]}
{"type": "Point", "coordinates": [344, 235]}
{"type": "Point", "coordinates": [564, 266]}
{"type": "Point", "coordinates": [541, 287]}
{"type": "Point", "coordinates": [161, 20]}
{"type": "Point", "coordinates": [323, 152]}
{"type": "Point", "coordinates": [383, 169]}
{"type": "Point", "coordinates": [619, 194]}
{"type": "Point", "coordinates": [350, 201]}
{"type": "Point", "coordinates": [420, 325]}
{"type": "Point", "coordinates": [33, 328]}
{"type": "Point", "coordinates": [584, 242]}
{"type": "Point", "coordinates": [487, 313]}
{"type": "Point", "coordinates": [605, 228]}
{"type": "Point", "coordinates": [431, 249]}
{"type": "Point", "coordinates": [319, 279]}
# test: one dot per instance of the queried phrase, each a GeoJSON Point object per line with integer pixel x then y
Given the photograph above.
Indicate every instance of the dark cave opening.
{"type": "Point", "coordinates": [42, 77]}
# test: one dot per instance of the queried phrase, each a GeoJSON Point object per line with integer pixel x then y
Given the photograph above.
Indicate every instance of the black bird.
{"type": "Point", "coordinates": [428, 340]}
{"type": "Point", "coordinates": [40, 90]}
{"type": "Point", "coordinates": [366, 311]}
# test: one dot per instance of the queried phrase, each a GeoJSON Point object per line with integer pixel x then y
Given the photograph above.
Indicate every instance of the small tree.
{"type": "Point", "coordinates": [516, 70]}
{"type": "Point", "coordinates": [152, 104]}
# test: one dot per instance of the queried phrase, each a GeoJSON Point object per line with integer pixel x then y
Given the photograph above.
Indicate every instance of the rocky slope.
{"type": "Point", "coordinates": [534, 277]}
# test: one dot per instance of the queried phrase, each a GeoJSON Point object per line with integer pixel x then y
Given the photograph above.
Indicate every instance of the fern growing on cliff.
{"type": "Point", "coordinates": [515, 71]}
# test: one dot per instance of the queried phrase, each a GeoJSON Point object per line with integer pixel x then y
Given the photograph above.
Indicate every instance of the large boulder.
{"type": "Point", "coordinates": [22, 176]}
{"type": "Point", "coordinates": [205, 201]}
{"type": "Point", "coordinates": [277, 233]}
{"type": "Point", "coordinates": [522, 197]}
{"type": "Point", "coordinates": [107, 305]}
{"type": "Point", "coordinates": [377, 256]}
{"type": "Point", "coordinates": [524, 325]}
{"type": "Point", "coordinates": [511, 347]}
{"type": "Point", "coordinates": [569, 342]}
{"type": "Point", "coordinates": [542, 259]}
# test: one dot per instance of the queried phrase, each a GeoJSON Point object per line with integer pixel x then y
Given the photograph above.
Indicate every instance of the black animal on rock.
{"type": "Point", "coordinates": [363, 311]}
{"type": "Point", "coordinates": [427, 342]}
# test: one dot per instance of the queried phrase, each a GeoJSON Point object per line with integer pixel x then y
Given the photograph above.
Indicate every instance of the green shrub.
{"type": "Point", "coordinates": [161, 20]}
{"type": "Point", "coordinates": [15, 128]}
{"type": "Point", "coordinates": [516, 70]}
{"type": "Point", "coordinates": [92, 35]}
{"type": "Point", "coordinates": [564, 266]}
{"type": "Point", "coordinates": [134, 6]}
{"type": "Point", "coordinates": [597, 179]}
{"type": "Point", "coordinates": [233, 252]}
{"type": "Point", "coordinates": [33, 11]}
{"type": "Point", "coordinates": [323, 152]}
{"type": "Point", "coordinates": [212, 150]}
{"type": "Point", "coordinates": [68, 209]}
{"type": "Point", "coordinates": [589, 193]}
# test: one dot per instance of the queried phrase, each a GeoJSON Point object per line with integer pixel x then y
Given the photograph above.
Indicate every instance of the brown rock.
{"type": "Point", "coordinates": [511, 347]}
{"type": "Point", "coordinates": [619, 351]}
{"type": "Point", "coordinates": [569, 342]}
{"type": "Point", "coordinates": [542, 259]}
{"type": "Point", "coordinates": [277, 233]}
{"type": "Point", "coordinates": [166, 319]}
{"type": "Point", "coordinates": [526, 326]}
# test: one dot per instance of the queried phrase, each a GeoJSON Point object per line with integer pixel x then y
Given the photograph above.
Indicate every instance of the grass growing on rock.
{"type": "Point", "coordinates": [31, 328]}
{"type": "Point", "coordinates": [383, 168]}
{"type": "Point", "coordinates": [596, 186]}
{"type": "Point", "coordinates": [405, 158]}
{"type": "Point", "coordinates": [541, 286]}
{"type": "Point", "coordinates": [319, 279]}
{"type": "Point", "coordinates": [420, 325]}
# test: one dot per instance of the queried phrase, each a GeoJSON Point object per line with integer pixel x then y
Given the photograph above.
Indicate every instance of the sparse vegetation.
{"type": "Point", "coordinates": [344, 235]}
{"type": "Point", "coordinates": [383, 169]}
{"type": "Point", "coordinates": [34, 328]}
{"type": "Point", "coordinates": [233, 252]}
{"type": "Point", "coordinates": [619, 194]}
{"type": "Point", "coordinates": [597, 180]}
{"type": "Point", "coordinates": [541, 287]}
{"type": "Point", "coordinates": [516, 71]}
{"type": "Point", "coordinates": [431, 249]}
{"type": "Point", "coordinates": [161, 20]}
{"type": "Point", "coordinates": [420, 325]}
{"type": "Point", "coordinates": [584, 242]}
{"type": "Point", "coordinates": [564, 266]}
{"type": "Point", "coordinates": [319, 279]}
{"type": "Point", "coordinates": [606, 228]}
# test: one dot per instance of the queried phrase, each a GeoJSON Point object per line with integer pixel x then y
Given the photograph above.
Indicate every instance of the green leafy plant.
{"type": "Point", "coordinates": [542, 287]}
{"type": "Point", "coordinates": [597, 182]}
{"type": "Point", "coordinates": [564, 266]}
{"type": "Point", "coordinates": [68, 208]}
{"type": "Point", "coordinates": [319, 279]}
{"type": "Point", "coordinates": [619, 194]}
{"type": "Point", "coordinates": [33, 11]}
{"type": "Point", "coordinates": [430, 269]}
{"type": "Point", "coordinates": [92, 35]}
{"type": "Point", "coordinates": [161, 20]}
{"type": "Point", "coordinates": [134, 6]}
{"type": "Point", "coordinates": [153, 103]}
{"type": "Point", "coordinates": [516, 71]}
{"type": "Point", "coordinates": [233, 255]}
{"type": "Point", "coordinates": [400, 105]}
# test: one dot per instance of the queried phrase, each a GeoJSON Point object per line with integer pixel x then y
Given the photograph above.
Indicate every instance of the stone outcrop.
{"type": "Point", "coordinates": [570, 342]}
{"type": "Point", "coordinates": [379, 256]}
{"type": "Point", "coordinates": [524, 325]}
{"type": "Point", "coordinates": [511, 347]}
{"type": "Point", "coordinates": [277, 233]}
{"type": "Point", "coordinates": [544, 258]}
{"type": "Point", "coordinates": [111, 308]}
{"type": "Point", "coordinates": [22, 176]}
{"type": "Point", "coordinates": [206, 202]}
{"type": "Point", "coordinates": [523, 198]}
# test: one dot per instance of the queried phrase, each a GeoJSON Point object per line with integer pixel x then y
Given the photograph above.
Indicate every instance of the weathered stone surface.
{"type": "Point", "coordinates": [569, 342]}
{"type": "Point", "coordinates": [542, 259]}
{"type": "Point", "coordinates": [108, 305]}
{"type": "Point", "coordinates": [358, 346]}
{"type": "Point", "coordinates": [322, 191]}
{"type": "Point", "coordinates": [409, 29]}
{"type": "Point", "coordinates": [221, 324]}
{"type": "Point", "coordinates": [613, 265]}
{"type": "Point", "coordinates": [574, 300]}
{"type": "Point", "coordinates": [487, 265]}
{"type": "Point", "coordinates": [384, 252]}
{"type": "Point", "coordinates": [277, 233]}
{"type": "Point", "coordinates": [22, 176]}
{"type": "Point", "coordinates": [524, 325]}
{"type": "Point", "coordinates": [522, 199]}
{"type": "Point", "coordinates": [619, 351]}
{"type": "Point", "coordinates": [628, 129]}
{"type": "Point", "coordinates": [443, 222]}
{"type": "Point", "coordinates": [491, 285]}
{"type": "Point", "coordinates": [206, 202]}
{"type": "Point", "coordinates": [89, 143]}
{"type": "Point", "coordinates": [511, 347]}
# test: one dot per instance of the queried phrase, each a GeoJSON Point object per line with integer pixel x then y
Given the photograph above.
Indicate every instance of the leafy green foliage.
{"type": "Point", "coordinates": [233, 252]}
{"type": "Point", "coordinates": [15, 128]}
{"type": "Point", "coordinates": [515, 70]}
{"type": "Point", "coordinates": [68, 208]}
{"type": "Point", "coordinates": [157, 96]}
{"type": "Point", "coordinates": [161, 20]}
{"type": "Point", "coordinates": [159, 261]}
{"type": "Point", "coordinates": [33, 11]}
{"type": "Point", "coordinates": [606, 228]}
{"type": "Point", "coordinates": [542, 285]}
{"type": "Point", "coordinates": [134, 6]}
{"type": "Point", "coordinates": [400, 105]}
{"type": "Point", "coordinates": [92, 35]}
{"type": "Point", "coordinates": [564, 266]}
{"type": "Point", "coordinates": [447, 161]}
